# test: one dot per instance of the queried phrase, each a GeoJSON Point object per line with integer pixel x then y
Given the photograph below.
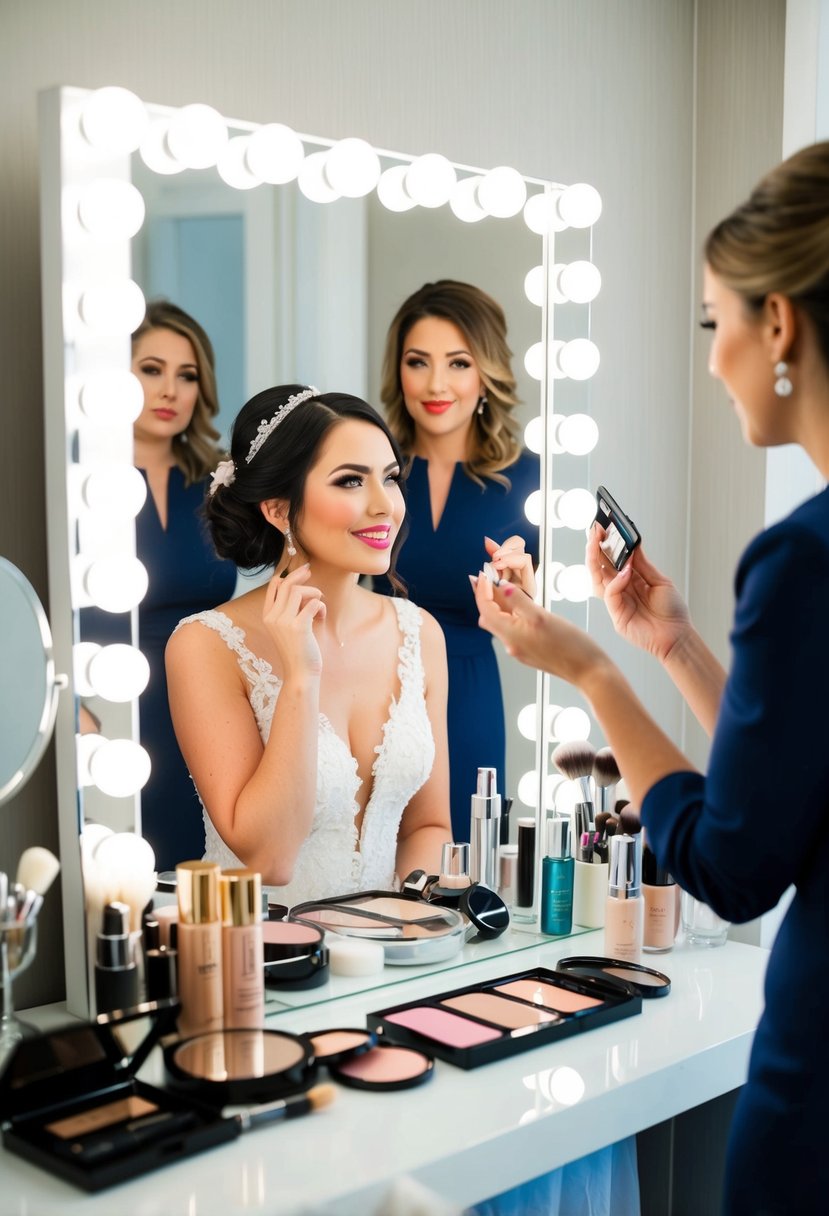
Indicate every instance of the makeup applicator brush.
{"type": "Point", "coordinates": [574, 761]}
{"type": "Point", "coordinates": [629, 821]}
{"type": "Point", "coordinates": [36, 871]}
{"type": "Point", "coordinates": [248, 1117]}
{"type": "Point", "coordinates": [606, 775]}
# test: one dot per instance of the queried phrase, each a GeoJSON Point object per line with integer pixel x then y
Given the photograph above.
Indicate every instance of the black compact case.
{"type": "Point", "coordinates": [71, 1102]}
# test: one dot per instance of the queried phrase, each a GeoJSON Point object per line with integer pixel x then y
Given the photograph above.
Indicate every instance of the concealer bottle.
{"type": "Point", "coordinates": [624, 913]}
{"type": "Point", "coordinates": [199, 947]}
{"type": "Point", "coordinates": [243, 959]}
{"type": "Point", "coordinates": [661, 898]}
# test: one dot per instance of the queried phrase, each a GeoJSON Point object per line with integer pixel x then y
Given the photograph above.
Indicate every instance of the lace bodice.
{"type": "Point", "coordinates": [332, 861]}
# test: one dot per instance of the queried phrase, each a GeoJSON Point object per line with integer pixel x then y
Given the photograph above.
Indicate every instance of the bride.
{"type": "Point", "coordinates": [311, 711]}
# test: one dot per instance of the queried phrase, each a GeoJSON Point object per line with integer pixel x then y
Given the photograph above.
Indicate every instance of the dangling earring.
{"type": "Point", "coordinates": [782, 385]}
{"type": "Point", "coordinates": [289, 543]}
{"type": "Point", "coordinates": [482, 402]}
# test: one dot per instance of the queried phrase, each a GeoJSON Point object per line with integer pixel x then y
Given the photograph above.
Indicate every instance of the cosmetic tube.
{"type": "Point", "coordinates": [557, 879]}
{"type": "Point", "coordinates": [199, 941]}
{"type": "Point", "coordinates": [485, 830]}
{"type": "Point", "coordinates": [624, 911]}
{"type": "Point", "coordinates": [660, 895]}
{"type": "Point", "coordinates": [116, 973]}
{"type": "Point", "coordinates": [525, 871]}
{"type": "Point", "coordinates": [508, 869]}
{"type": "Point", "coordinates": [243, 957]}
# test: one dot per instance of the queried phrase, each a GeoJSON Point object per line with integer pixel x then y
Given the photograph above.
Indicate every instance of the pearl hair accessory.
{"type": "Point", "coordinates": [224, 475]}
{"type": "Point", "coordinates": [267, 426]}
{"type": "Point", "coordinates": [782, 385]}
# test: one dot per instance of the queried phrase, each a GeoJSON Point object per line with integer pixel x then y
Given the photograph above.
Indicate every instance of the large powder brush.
{"type": "Point", "coordinates": [606, 775]}
{"type": "Point", "coordinates": [574, 761]}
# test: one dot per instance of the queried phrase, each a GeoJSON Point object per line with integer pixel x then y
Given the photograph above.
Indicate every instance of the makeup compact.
{"type": "Point", "coordinates": [411, 931]}
{"type": "Point", "coordinates": [70, 1101]}
{"type": "Point", "coordinates": [485, 1022]}
{"type": "Point", "coordinates": [356, 1059]}
{"type": "Point", "coordinates": [295, 954]}
{"type": "Point", "coordinates": [240, 1065]}
{"type": "Point", "coordinates": [332, 1047]}
{"type": "Point", "coordinates": [647, 982]}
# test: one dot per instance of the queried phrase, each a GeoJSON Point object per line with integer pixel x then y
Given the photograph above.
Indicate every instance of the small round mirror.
{"type": "Point", "coordinates": [28, 700]}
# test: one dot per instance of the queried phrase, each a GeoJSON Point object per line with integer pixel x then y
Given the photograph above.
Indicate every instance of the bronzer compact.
{"type": "Point", "coordinates": [240, 1065]}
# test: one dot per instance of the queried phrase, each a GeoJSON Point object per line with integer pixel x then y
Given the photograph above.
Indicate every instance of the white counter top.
{"type": "Point", "coordinates": [465, 1134]}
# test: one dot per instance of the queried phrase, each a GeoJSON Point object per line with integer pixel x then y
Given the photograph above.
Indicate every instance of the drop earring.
{"type": "Point", "coordinates": [289, 543]}
{"type": "Point", "coordinates": [482, 402]}
{"type": "Point", "coordinates": [782, 385]}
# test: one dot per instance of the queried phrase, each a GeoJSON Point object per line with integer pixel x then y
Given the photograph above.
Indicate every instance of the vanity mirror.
{"type": "Point", "coordinates": [312, 272]}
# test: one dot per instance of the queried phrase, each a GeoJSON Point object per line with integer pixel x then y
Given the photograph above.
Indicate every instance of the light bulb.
{"type": "Point", "coordinates": [112, 309]}
{"type": "Point", "coordinates": [578, 434]}
{"type": "Point", "coordinates": [570, 724]}
{"type": "Point", "coordinates": [554, 569]}
{"type": "Point", "coordinates": [463, 201]}
{"type": "Point", "coordinates": [553, 518]}
{"type": "Point", "coordinates": [502, 192]}
{"type": "Point", "coordinates": [580, 282]}
{"type": "Point", "coordinates": [92, 834]}
{"type": "Point", "coordinates": [116, 584]}
{"type": "Point", "coordinates": [391, 189]}
{"type": "Point", "coordinates": [117, 490]}
{"type": "Point", "coordinates": [430, 180]}
{"type": "Point", "coordinates": [111, 210]}
{"type": "Point", "coordinates": [119, 768]}
{"type": "Point", "coordinates": [352, 168]}
{"type": "Point", "coordinates": [527, 721]}
{"type": "Point", "coordinates": [113, 393]}
{"type": "Point", "coordinates": [579, 359]}
{"type": "Point", "coordinates": [534, 361]}
{"type": "Point", "coordinates": [576, 509]}
{"type": "Point", "coordinates": [541, 215]}
{"type": "Point", "coordinates": [580, 205]}
{"type": "Point", "coordinates": [527, 789]}
{"type": "Point", "coordinates": [312, 180]}
{"type": "Point", "coordinates": [124, 854]}
{"type": "Point", "coordinates": [534, 434]}
{"type": "Point", "coordinates": [82, 655]}
{"type": "Point", "coordinates": [534, 285]}
{"type": "Point", "coordinates": [274, 154]}
{"type": "Point", "coordinates": [574, 583]}
{"type": "Point", "coordinates": [196, 135]}
{"type": "Point", "coordinates": [568, 793]}
{"type": "Point", "coordinates": [113, 119]}
{"type": "Point", "coordinates": [232, 165]}
{"type": "Point", "coordinates": [154, 152]}
{"type": "Point", "coordinates": [119, 672]}
{"type": "Point", "coordinates": [85, 748]}
{"type": "Point", "coordinates": [533, 507]}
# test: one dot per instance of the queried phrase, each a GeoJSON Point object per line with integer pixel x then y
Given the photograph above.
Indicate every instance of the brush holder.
{"type": "Point", "coordinates": [18, 943]}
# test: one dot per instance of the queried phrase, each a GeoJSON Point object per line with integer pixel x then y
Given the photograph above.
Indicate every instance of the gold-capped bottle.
{"type": "Point", "coordinates": [243, 959]}
{"type": "Point", "coordinates": [199, 947]}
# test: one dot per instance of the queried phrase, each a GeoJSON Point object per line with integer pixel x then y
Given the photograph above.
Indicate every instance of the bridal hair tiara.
{"type": "Point", "coordinates": [225, 473]}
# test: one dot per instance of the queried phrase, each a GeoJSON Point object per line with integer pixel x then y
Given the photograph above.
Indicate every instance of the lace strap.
{"type": "Point", "coordinates": [234, 638]}
{"type": "Point", "coordinates": [410, 663]}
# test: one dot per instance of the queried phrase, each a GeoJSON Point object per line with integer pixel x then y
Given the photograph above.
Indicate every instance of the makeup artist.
{"type": "Point", "coordinates": [757, 822]}
{"type": "Point", "coordinates": [312, 711]}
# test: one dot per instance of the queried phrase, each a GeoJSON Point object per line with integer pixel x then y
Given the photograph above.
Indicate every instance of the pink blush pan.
{"type": "Point", "coordinates": [385, 1067]}
{"type": "Point", "coordinates": [443, 1026]}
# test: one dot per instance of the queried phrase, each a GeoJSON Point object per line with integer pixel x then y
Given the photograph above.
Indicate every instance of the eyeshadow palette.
{"type": "Point", "coordinates": [485, 1022]}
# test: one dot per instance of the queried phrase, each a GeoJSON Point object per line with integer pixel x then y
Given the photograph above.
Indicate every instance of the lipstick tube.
{"type": "Point", "coordinates": [485, 830]}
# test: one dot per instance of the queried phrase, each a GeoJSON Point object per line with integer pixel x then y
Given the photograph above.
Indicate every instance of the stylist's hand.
{"type": "Point", "coordinates": [511, 562]}
{"type": "Point", "coordinates": [644, 606]}
{"type": "Point", "coordinates": [290, 609]}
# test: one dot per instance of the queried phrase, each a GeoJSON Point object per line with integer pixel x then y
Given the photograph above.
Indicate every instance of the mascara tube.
{"type": "Point", "coordinates": [116, 973]}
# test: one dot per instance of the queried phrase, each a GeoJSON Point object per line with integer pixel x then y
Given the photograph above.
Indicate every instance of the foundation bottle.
{"type": "Point", "coordinates": [199, 947]}
{"type": "Point", "coordinates": [243, 959]}
{"type": "Point", "coordinates": [624, 910]}
{"type": "Point", "coordinates": [660, 895]}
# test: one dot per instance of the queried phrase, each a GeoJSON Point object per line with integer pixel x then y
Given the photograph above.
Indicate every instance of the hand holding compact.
{"type": "Point", "coordinates": [511, 563]}
{"type": "Point", "coordinates": [290, 609]}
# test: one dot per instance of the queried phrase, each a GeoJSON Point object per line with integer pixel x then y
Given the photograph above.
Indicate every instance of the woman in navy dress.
{"type": "Point", "coordinates": [758, 821]}
{"type": "Point", "coordinates": [449, 395]}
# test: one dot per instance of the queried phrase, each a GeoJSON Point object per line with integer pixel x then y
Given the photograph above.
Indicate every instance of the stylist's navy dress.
{"type": "Point", "coordinates": [758, 822]}
{"type": "Point", "coordinates": [435, 565]}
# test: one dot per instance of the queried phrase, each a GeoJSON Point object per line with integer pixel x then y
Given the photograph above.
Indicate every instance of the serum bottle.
{"type": "Point", "coordinates": [624, 913]}
{"type": "Point", "coordinates": [199, 947]}
{"type": "Point", "coordinates": [485, 830]}
{"type": "Point", "coordinates": [557, 879]}
{"type": "Point", "coordinates": [243, 958]}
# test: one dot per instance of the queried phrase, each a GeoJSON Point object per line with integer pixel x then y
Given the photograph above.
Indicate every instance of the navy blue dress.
{"type": "Point", "coordinates": [758, 822]}
{"type": "Point", "coordinates": [435, 565]}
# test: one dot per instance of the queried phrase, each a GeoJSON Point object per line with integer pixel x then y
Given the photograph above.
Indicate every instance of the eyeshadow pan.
{"type": "Point", "coordinates": [636, 977]}
{"type": "Point", "coordinates": [92, 1120]}
{"type": "Point", "coordinates": [550, 995]}
{"type": "Point", "coordinates": [280, 931]}
{"type": "Point", "coordinates": [509, 1014]}
{"type": "Point", "coordinates": [337, 1042]}
{"type": "Point", "coordinates": [385, 1067]}
{"type": "Point", "coordinates": [443, 1026]}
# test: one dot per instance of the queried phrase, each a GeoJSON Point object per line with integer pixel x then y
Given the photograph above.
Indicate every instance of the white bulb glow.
{"type": "Point", "coordinates": [575, 509]}
{"type": "Point", "coordinates": [111, 394]}
{"type": "Point", "coordinates": [534, 434]}
{"type": "Point", "coordinates": [526, 722]}
{"type": "Point", "coordinates": [312, 180]}
{"type": "Point", "coordinates": [154, 152]}
{"type": "Point", "coordinates": [232, 165]}
{"type": "Point", "coordinates": [196, 135]}
{"type": "Point", "coordinates": [85, 748]}
{"type": "Point", "coordinates": [541, 215]}
{"type": "Point", "coordinates": [567, 795]}
{"type": "Point", "coordinates": [391, 189]}
{"type": "Point", "coordinates": [554, 569]}
{"type": "Point", "coordinates": [554, 519]}
{"type": "Point", "coordinates": [534, 288]}
{"type": "Point", "coordinates": [119, 672]}
{"type": "Point", "coordinates": [92, 835]}
{"type": "Point", "coordinates": [352, 168]}
{"type": "Point", "coordinates": [114, 120]}
{"type": "Point", "coordinates": [430, 180]}
{"type": "Point", "coordinates": [502, 192]}
{"type": "Point", "coordinates": [580, 282]}
{"type": "Point", "coordinates": [579, 359]}
{"type": "Point", "coordinates": [274, 154]}
{"type": "Point", "coordinates": [117, 490]}
{"type": "Point", "coordinates": [463, 201]}
{"type": "Point", "coordinates": [82, 655]}
{"type": "Point", "coordinates": [124, 854]}
{"type": "Point", "coordinates": [533, 507]}
{"type": "Point", "coordinates": [580, 205]}
{"type": "Point", "coordinates": [527, 791]}
{"type": "Point", "coordinates": [577, 434]}
{"type": "Point", "coordinates": [566, 1086]}
{"type": "Point", "coordinates": [112, 309]}
{"type": "Point", "coordinates": [571, 724]}
{"type": "Point", "coordinates": [116, 584]}
{"type": "Point", "coordinates": [111, 210]}
{"type": "Point", "coordinates": [534, 361]}
{"type": "Point", "coordinates": [120, 768]}
{"type": "Point", "coordinates": [574, 583]}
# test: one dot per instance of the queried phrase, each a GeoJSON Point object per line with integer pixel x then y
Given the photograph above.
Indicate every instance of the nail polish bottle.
{"type": "Point", "coordinates": [661, 898]}
{"type": "Point", "coordinates": [243, 957]}
{"type": "Point", "coordinates": [557, 879]}
{"type": "Point", "coordinates": [199, 941]}
{"type": "Point", "coordinates": [624, 912]}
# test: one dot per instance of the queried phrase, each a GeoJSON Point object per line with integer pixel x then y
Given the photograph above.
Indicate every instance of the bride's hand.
{"type": "Point", "coordinates": [291, 607]}
{"type": "Point", "coordinates": [512, 563]}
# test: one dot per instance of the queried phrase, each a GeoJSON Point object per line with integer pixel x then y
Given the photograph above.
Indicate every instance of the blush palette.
{"type": "Point", "coordinates": [485, 1022]}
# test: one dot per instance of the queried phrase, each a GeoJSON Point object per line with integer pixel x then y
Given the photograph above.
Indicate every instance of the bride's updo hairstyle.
{"type": "Point", "coordinates": [278, 468]}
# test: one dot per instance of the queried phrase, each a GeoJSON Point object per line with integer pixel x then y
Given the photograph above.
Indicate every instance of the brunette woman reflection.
{"type": "Point", "coordinates": [449, 394]}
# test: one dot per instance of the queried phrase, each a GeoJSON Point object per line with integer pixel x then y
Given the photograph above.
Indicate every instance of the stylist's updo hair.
{"type": "Point", "coordinates": [493, 445]}
{"type": "Point", "coordinates": [279, 469]}
{"type": "Point", "coordinates": [778, 240]}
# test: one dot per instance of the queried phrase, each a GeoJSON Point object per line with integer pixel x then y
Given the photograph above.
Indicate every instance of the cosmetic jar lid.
{"type": "Point", "coordinates": [647, 982]}
{"type": "Point", "coordinates": [454, 863]}
{"type": "Point", "coordinates": [241, 897]}
{"type": "Point", "coordinates": [558, 838]}
{"type": "Point", "coordinates": [343, 1043]}
{"type": "Point", "coordinates": [486, 801]}
{"type": "Point", "coordinates": [198, 891]}
{"type": "Point", "coordinates": [485, 910]}
{"type": "Point", "coordinates": [295, 954]}
{"type": "Point", "coordinates": [625, 873]}
{"type": "Point", "coordinates": [653, 874]}
{"type": "Point", "coordinates": [385, 1067]}
{"type": "Point", "coordinates": [240, 1065]}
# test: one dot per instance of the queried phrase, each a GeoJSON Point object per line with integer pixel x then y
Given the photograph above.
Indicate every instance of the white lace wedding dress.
{"type": "Point", "coordinates": [332, 861]}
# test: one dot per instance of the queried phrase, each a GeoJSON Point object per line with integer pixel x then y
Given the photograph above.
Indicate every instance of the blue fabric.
{"type": "Point", "coordinates": [435, 565]}
{"type": "Point", "coordinates": [756, 823]}
{"type": "Point", "coordinates": [604, 1183]}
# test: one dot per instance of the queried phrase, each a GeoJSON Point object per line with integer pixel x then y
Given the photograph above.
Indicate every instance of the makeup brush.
{"type": "Point", "coordinates": [248, 1117]}
{"type": "Point", "coordinates": [574, 761]}
{"type": "Point", "coordinates": [629, 822]}
{"type": "Point", "coordinates": [36, 871]}
{"type": "Point", "coordinates": [606, 775]}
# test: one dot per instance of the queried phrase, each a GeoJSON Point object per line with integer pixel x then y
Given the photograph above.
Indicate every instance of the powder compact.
{"type": "Point", "coordinates": [643, 980]}
{"type": "Point", "coordinates": [295, 954]}
{"type": "Point", "coordinates": [70, 1101]}
{"type": "Point", "coordinates": [485, 1022]}
{"type": "Point", "coordinates": [412, 931]}
{"type": "Point", "coordinates": [356, 1059]}
{"type": "Point", "coordinates": [241, 1065]}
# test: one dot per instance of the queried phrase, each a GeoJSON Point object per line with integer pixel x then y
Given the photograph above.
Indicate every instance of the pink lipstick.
{"type": "Point", "coordinates": [436, 407]}
{"type": "Point", "coordinates": [375, 538]}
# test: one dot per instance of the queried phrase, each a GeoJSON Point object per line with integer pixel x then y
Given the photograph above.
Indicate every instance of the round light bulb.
{"type": "Point", "coordinates": [232, 165]}
{"type": "Point", "coordinates": [119, 672]}
{"type": "Point", "coordinates": [534, 434]}
{"type": "Point", "coordinates": [527, 789]}
{"type": "Point", "coordinates": [119, 768]}
{"type": "Point", "coordinates": [580, 205]}
{"type": "Point", "coordinates": [312, 181]}
{"type": "Point", "coordinates": [111, 210]}
{"type": "Point", "coordinates": [571, 724]}
{"type": "Point", "coordinates": [112, 309]}
{"type": "Point", "coordinates": [580, 282]}
{"type": "Point", "coordinates": [85, 748]}
{"type": "Point", "coordinates": [576, 509]}
{"type": "Point", "coordinates": [82, 655]}
{"type": "Point", "coordinates": [93, 833]}
{"type": "Point", "coordinates": [196, 135]}
{"type": "Point", "coordinates": [579, 359]}
{"type": "Point", "coordinates": [124, 854]}
{"type": "Point", "coordinates": [533, 507]}
{"type": "Point", "coordinates": [111, 394]}
{"type": "Point", "coordinates": [540, 214]}
{"type": "Point", "coordinates": [568, 794]}
{"type": "Point", "coordinates": [502, 192]}
{"type": "Point", "coordinates": [463, 201]}
{"type": "Point", "coordinates": [117, 490]}
{"type": "Point", "coordinates": [274, 154]}
{"type": "Point", "coordinates": [553, 518]}
{"type": "Point", "coordinates": [391, 189]}
{"type": "Point", "coordinates": [430, 180]}
{"type": "Point", "coordinates": [113, 119]}
{"type": "Point", "coordinates": [574, 583]}
{"type": "Point", "coordinates": [577, 434]}
{"type": "Point", "coordinates": [554, 569]}
{"type": "Point", "coordinates": [526, 722]}
{"type": "Point", "coordinates": [534, 361]}
{"type": "Point", "coordinates": [116, 584]}
{"type": "Point", "coordinates": [352, 167]}
{"type": "Point", "coordinates": [534, 286]}
{"type": "Point", "coordinates": [154, 152]}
